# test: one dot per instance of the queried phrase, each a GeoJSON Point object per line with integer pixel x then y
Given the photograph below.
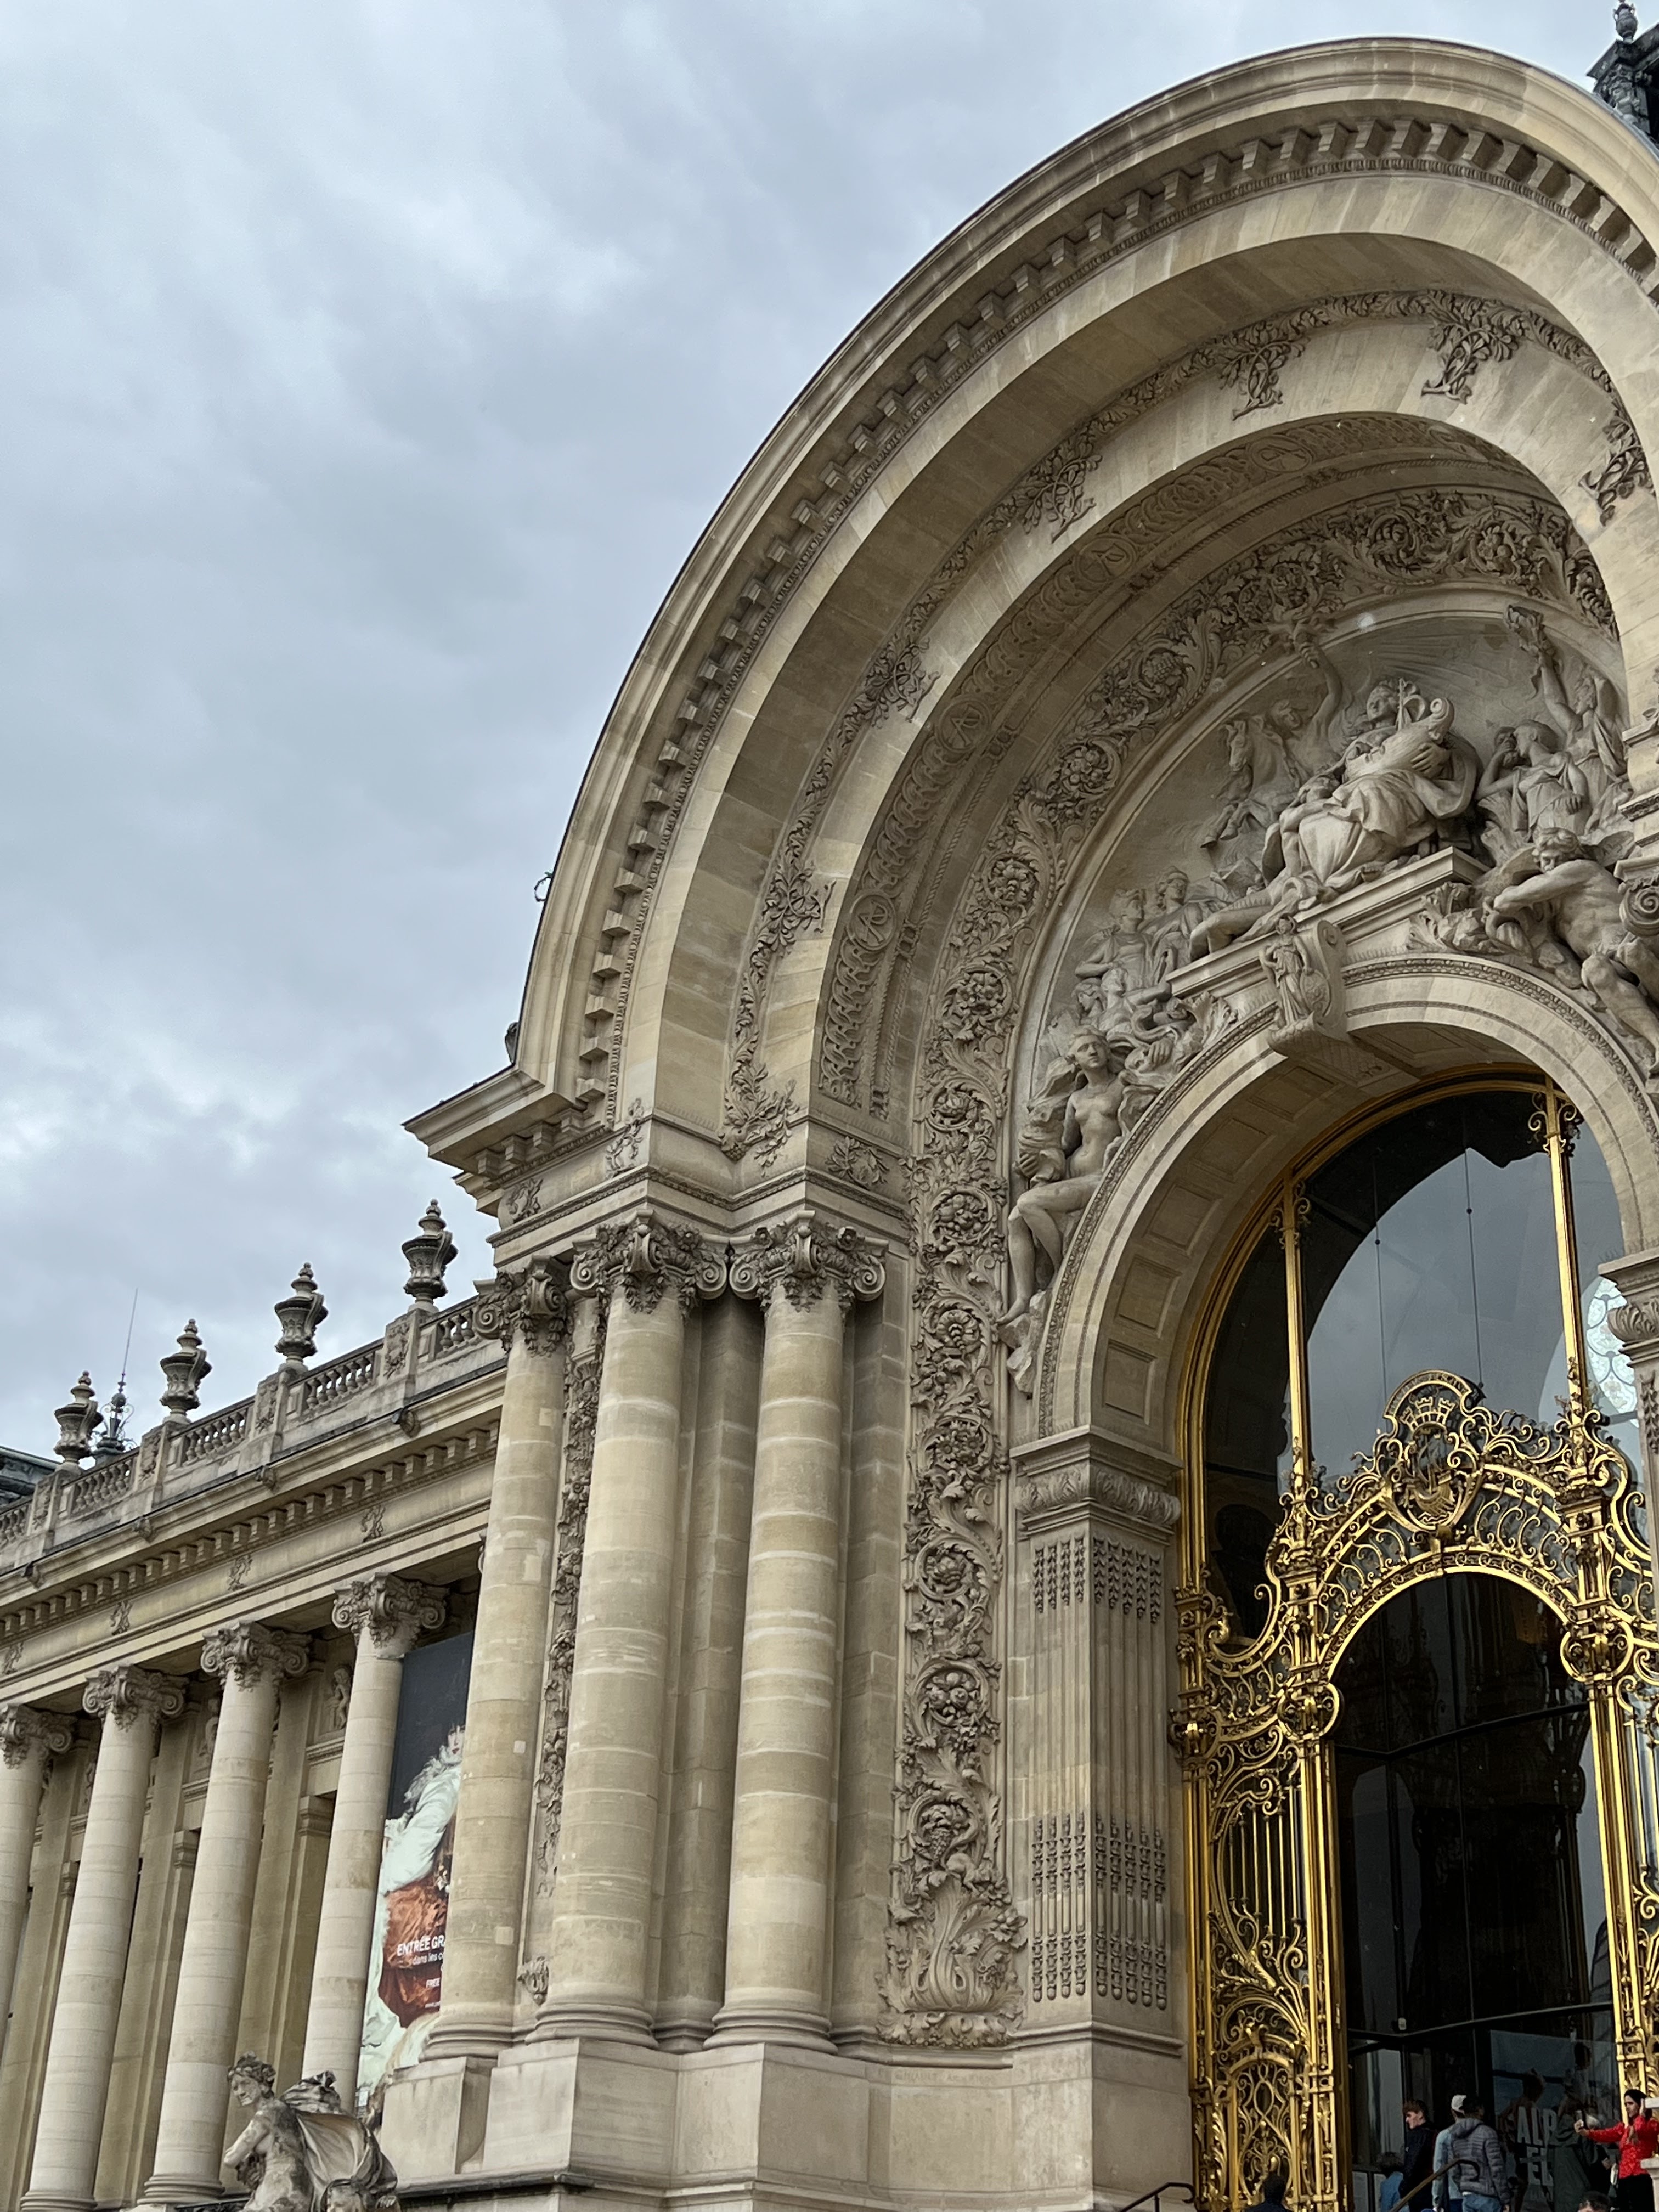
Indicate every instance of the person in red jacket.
{"type": "Point", "coordinates": [1637, 2138]}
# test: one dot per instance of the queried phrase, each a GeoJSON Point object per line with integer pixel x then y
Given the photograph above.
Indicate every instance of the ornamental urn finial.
{"type": "Point", "coordinates": [186, 1371]}
{"type": "Point", "coordinates": [76, 1422]}
{"type": "Point", "coordinates": [1624, 20]}
{"type": "Point", "coordinates": [428, 1252]}
{"type": "Point", "coordinates": [299, 1316]}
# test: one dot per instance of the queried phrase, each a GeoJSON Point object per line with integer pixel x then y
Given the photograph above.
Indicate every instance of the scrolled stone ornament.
{"type": "Point", "coordinates": [246, 1652]}
{"type": "Point", "coordinates": [128, 1694]}
{"type": "Point", "coordinates": [1639, 908]}
{"type": "Point", "coordinates": [805, 1256]}
{"type": "Point", "coordinates": [641, 1257]}
{"type": "Point", "coordinates": [391, 1609]}
{"type": "Point", "coordinates": [23, 1731]}
{"type": "Point", "coordinates": [531, 1300]}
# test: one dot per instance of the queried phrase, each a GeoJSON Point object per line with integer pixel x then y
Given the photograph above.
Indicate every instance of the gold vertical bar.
{"type": "Point", "coordinates": [1566, 1248]}
{"type": "Point", "coordinates": [1290, 1204]}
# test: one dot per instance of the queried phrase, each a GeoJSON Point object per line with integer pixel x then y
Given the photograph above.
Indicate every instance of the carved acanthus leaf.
{"type": "Point", "coordinates": [24, 1732]}
{"type": "Point", "coordinates": [391, 1610]}
{"type": "Point", "coordinates": [529, 1301]}
{"type": "Point", "coordinates": [804, 1257]}
{"type": "Point", "coordinates": [126, 1695]}
{"type": "Point", "coordinates": [249, 1653]}
{"type": "Point", "coordinates": [645, 1255]}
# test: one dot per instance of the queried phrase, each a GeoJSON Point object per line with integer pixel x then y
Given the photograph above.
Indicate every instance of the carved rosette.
{"type": "Point", "coordinates": [642, 1257]}
{"type": "Point", "coordinates": [391, 1610]}
{"type": "Point", "coordinates": [25, 1733]}
{"type": "Point", "coordinates": [530, 1302]}
{"type": "Point", "coordinates": [248, 1653]}
{"type": "Point", "coordinates": [128, 1694]}
{"type": "Point", "coordinates": [804, 1257]}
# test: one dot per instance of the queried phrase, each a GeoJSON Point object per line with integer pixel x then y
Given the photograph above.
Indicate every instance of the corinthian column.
{"type": "Point", "coordinates": [252, 1660]}
{"type": "Point", "coordinates": [385, 1613]}
{"type": "Point", "coordinates": [499, 1757]}
{"type": "Point", "coordinates": [807, 1274]}
{"type": "Point", "coordinates": [28, 1740]}
{"type": "Point", "coordinates": [650, 1273]}
{"type": "Point", "coordinates": [130, 1702]}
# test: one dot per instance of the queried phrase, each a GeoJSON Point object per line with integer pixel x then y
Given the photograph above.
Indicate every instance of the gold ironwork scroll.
{"type": "Point", "coordinates": [1452, 1485]}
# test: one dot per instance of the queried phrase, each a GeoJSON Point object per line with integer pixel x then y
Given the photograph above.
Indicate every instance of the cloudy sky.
{"type": "Point", "coordinates": [368, 368]}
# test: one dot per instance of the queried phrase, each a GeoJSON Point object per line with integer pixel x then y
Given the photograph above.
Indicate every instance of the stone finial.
{"type": "Point", "coordinates": [23, 1731]}
{"type": "Point", "coordinates": [428, 1252]}
{"type": "Point", "coordinates": [391, 1610]}
{"type": "Point", "coordinates": [1624, 20]}
{"type": "Point", "coordinates": [114, 1441]}
{"type": "Point", "coordinates": [643, 1256]}
{"type": "Point", "coordinates": [803, 1257]}
{"type": "Point", "coordinates": [249, 1652]}
{"type": "Point", "coordinates": [186, 1371]}
{"type": "Point", "coordinates": [299, 1316]}
{"type": "Point", "coordinates": [126, 1694]}
{"type": "Point", "coordinates": [76, 1422]}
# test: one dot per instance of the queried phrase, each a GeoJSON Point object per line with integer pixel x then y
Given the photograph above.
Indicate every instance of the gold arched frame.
{"type": "Point", "coordinates": [1451, 1486]}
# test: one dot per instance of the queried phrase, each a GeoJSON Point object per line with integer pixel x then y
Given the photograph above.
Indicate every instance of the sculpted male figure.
{"type": "Point", "coordinates": [1583, 903]}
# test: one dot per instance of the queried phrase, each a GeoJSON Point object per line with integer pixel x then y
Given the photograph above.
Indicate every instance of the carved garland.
{"type": "Point", "coordinates": [953, 1932]}
{"type": "Point", "coordinates": [581, 1416]}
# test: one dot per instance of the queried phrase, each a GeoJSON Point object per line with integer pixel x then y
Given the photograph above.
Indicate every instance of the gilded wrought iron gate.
{"type": "Point", "coordinates": [1451, 1486]}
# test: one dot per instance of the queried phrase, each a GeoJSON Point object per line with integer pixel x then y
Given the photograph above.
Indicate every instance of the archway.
{"type": "Point", "coordinates": [1284, 1637]}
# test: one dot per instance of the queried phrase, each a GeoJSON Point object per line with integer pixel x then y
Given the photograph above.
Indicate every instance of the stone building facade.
{"type": "Point", "coordinates": [1177, 696]}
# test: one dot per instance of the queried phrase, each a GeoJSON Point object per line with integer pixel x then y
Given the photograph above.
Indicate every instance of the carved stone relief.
{"type": "Point", "coordinates": [581, 1414]}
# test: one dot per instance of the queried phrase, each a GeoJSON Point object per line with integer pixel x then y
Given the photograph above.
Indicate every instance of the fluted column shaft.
{"type": "Point", "coordinates": [788, 1720]}
{"type": "Point", "coordinates": [75, 2088]}
{"type": "Point", "coordinates": [598, 1936]}
{"type": "Point", "coordinates": [386, 1613]}
{"type": "Point", "coordinates": [499, 1757]}
{"type": "Point", "coordinates": [213, 1966]}
{"type": "Point", "coordinates": [27, 1741]}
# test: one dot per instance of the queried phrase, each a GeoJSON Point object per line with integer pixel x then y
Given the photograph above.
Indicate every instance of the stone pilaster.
{"type": "Point", "coordinates": [1094, 1771]}
{"type": "Point", "coordinates": [807, 1273]}
{"type": "Point", "coordinates": [28, 1741]}
{"type": "Point", "coordinates": [500, 1754]}
{"type": "Point", "coordinates": [650, 1273]}
{"type": "Point", "coordinates": [130, 1702]}
{"type": "Point", "coordinates": [252, 1662]}
{"type": "Point", "coordinates": [1636, 1324]}
{"type": "Point", "coordinates": [385, 1613]}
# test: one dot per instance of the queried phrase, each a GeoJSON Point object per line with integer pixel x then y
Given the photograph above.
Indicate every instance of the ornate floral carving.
{"type": "Point", "coordinates": [624, 1150]}
{"type": "Point", "coordinates": [645, 1255]}
{"type": "Point", "coordinates": [250, 1653]}
{"type": "Point", "coordinates": [530, 1302]}
{"type": "Point", "coordinates": [581, 1418]}
{"type": "Point", "coordinates": [1255, 371]}
{"type": "Point", "coordinates": [1467, 333]}
{"type": "Point", "coordinates": [126, 1695]}
{"type": "Point", "coordinates": [859, 1162]}
{"type": "Point", "coordinates": [392, 1610]}
{"type": "Point", "coordinates": [1624, 470]}
{"type": "Point", "coordinates": [1040, 1491]}
{"type": "Point", "coordinates": [24, 1732]}
{"type": "Point", "coordinates": [803, 1257]}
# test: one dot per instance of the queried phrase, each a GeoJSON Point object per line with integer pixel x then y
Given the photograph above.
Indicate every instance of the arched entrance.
{"type": "Point", "coordinates": [1359, 1647]}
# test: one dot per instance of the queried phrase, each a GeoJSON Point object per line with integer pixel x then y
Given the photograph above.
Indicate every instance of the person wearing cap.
{"type": "Point", "coordinates": [1478, 2160]}
{"type": "Point", "coordinates": [1447, 2187]}
{"type": "Point", "coordinates": [1637, 2138]}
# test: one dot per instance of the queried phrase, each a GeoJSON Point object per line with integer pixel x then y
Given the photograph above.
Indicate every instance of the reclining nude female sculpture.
{"type": "Point", "coordinates": [301, 2153]}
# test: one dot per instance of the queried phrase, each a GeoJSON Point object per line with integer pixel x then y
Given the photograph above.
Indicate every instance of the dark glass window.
{"type": "Point", "coordinates": [1247, 1430]}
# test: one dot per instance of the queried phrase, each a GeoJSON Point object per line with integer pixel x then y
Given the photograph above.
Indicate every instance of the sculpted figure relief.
{"type": "Point", "coordinates": [301, 2153]}
{"type": "Point", "coordinates": [1316, 801]}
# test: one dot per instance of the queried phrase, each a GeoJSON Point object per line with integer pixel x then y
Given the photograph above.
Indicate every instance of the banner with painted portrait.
{"type": "Point", "coordinates": [406, 1964]}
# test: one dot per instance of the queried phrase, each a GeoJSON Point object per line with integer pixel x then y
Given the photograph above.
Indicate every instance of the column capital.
{"type": "Point", "coordinates": [1083, 1475]}
{"type": "Point", "coordinates": [804, 1255]}
{"type": "Point", "coordinates": [251, 1653]}
{"type": "Point", "coordinates": [392, 1610]}
{"type": "Point", "coordinates": [644, 1256]}
{"type": "Point", "coordinates": [1636, 1323]}
{"type": "Point", "coordinates": [23, 1731]}
{"type": "Point", "coordinates": [531, 1302]}
{"type": "Point", "coordinates": [124, 1694]}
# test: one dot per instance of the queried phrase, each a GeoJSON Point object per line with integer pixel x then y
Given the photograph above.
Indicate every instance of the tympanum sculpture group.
{"type": "Point", "coordinates": [1316, 802]}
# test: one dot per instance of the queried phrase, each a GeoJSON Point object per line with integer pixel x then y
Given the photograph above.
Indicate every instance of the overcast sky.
{"type": "Point", "coordinates": [368, 368]}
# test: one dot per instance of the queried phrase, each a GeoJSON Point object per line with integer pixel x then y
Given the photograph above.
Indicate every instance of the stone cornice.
{"type": "Point", "coordinates": [127, 1694]}
{"type": "Point", "coordinates": [803, 1256]}
{"type": "Point", "coordinates": [248, 1653]}
{"type": "Point", "coordinates": [645, 1255]}
{"type": "Point", "coordinates": [24, 1732]}
{"type": "Point", "coordinates": [391, 1610]}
